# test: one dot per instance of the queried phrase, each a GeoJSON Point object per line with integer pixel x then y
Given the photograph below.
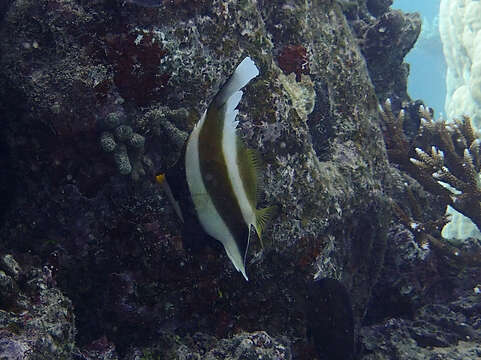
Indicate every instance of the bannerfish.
{"type": "Point", "coordinates": [222, 175]}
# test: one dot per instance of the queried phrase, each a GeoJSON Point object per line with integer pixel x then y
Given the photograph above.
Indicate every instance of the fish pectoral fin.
{"type": "Point", "coordinates": [263, 216]}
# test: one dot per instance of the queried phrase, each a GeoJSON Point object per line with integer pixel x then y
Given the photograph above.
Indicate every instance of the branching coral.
{"type": "Point", "coordinates": [429, 234]}
{"type": "Point", "coordinates": [443, 157]}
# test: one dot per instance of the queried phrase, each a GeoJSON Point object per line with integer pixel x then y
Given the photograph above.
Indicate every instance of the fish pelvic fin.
{"type": "Point", "coordinates": [162, 180]}
{"type": "Point", "coordinates": [263, 217]}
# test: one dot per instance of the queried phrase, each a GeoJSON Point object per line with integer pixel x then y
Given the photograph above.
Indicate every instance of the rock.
{"type": "Point", "coordinates": [448, 332]}
{"type": "Point", "coordinates": [10, 266]}
{"type": "Point", "coordinates": [37, 321]}
{"type": "Point", "coordinates": [143, 76]}
{"type": "Point", "coordinates": [248, 346]}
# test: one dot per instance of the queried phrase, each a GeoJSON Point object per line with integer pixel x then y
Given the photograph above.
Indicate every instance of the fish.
{"type": "Point", "coordinates": [222, 174]}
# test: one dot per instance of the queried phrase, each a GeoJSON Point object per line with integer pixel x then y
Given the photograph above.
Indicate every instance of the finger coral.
{"type": "Point", "coordinates": [126, 145]}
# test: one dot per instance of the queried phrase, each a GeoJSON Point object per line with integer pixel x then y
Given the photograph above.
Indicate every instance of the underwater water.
{"type": "Point", "coordinates": [427, 78]}
{"type": "Point", "coordinates": [242, 179]}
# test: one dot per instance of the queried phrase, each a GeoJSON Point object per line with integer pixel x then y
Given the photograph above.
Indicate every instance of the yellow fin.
{"type": "Point", "coordinates": [256, 162]}
{"type": "Point", "coordinates": [250, 170]}
{"type": "Point", "coordinates": [263, 216]}
{"type": "Point", "coordinates": [160, 178]}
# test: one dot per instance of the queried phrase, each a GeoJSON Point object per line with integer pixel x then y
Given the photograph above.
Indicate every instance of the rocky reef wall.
{"type": "Point", "coordinates": [98, 96]}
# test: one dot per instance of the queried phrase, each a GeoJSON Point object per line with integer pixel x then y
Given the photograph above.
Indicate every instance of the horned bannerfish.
{"type": "Point", "coordinates": [222, 174]}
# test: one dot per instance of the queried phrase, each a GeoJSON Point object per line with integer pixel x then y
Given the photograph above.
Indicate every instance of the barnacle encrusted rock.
{"type": "Point", "coordinates": [385, 40]}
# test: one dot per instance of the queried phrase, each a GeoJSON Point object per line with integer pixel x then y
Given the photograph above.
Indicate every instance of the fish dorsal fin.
{"type": "Point", "coordinates": [230, 112]}
{"type": "Point", "coordinates": [244, 73]}
{"type": "Point", "coordinates": [230, 94]}
{"type": "Point", "coordinates": [263, 216]}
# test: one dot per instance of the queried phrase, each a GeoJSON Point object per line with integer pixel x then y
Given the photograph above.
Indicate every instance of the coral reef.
{"type": "Point", "coordinates": [36, 319]}
{"type": "Point", "coordinates": [294, 59]}
{"type": "Point", "coordinates": [459, 27]}
{"type": "Point", "coordinates": [159, 3]}
{"type": "Point", "coordinates": [242, 346]}
{"type": "Point", "coordinates": [386, 36]}
{"type": "Point", "coordinates": [438, 331]}
{"type": "Point", "coordinates": [443, 157]}
{"type": "Point", "coordinates": [100, 349]}
{"type": "Point", "coordinates": [80, 108]}
{"type": "Point", "coordinates": [136, 57]}
{"type": "Point", "coordinates": [254, 345]}
{"type": "Point", "coordinates": [126, 145]}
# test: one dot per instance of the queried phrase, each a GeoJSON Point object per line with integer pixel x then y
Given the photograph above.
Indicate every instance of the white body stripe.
{"type": "Point", "coordinates": [229, 147]}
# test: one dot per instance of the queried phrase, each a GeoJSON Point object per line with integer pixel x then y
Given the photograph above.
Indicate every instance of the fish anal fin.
{"type": "Point", "coordinates": [263, 216]}
{"type": "Point", "coordinates": [235, 255]}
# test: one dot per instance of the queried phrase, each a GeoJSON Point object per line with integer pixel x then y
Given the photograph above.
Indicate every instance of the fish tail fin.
{"type": "Point", "coordinates": [245, 72]}
{"type": "Point", "coordinates": [263, 216]}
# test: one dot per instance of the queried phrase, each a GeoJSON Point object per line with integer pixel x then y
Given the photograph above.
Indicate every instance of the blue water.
{"type": "Point", "coordinates": [427, 79]}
